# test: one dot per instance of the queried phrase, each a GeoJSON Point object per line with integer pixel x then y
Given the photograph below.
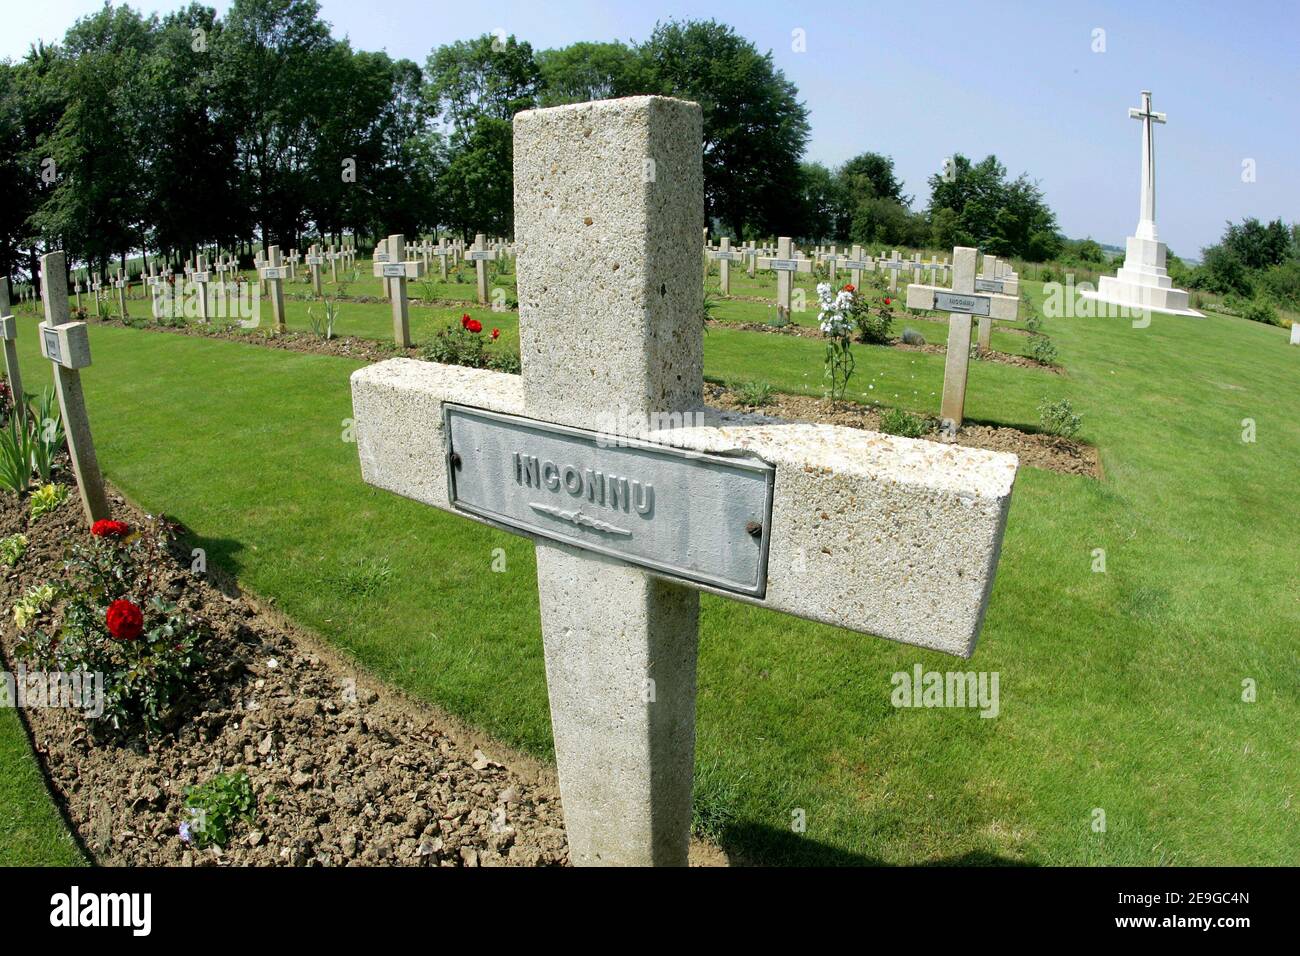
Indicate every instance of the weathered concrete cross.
{"type": "Point", "coordinates": [481, 255]}
{"type": "Point", "coordinates": [785, 264]}
{"type": "Point", "coordinates": [873, 533]}
{"type": "Point", "coordinates": [394, 271]}
{"type": "Point", "coordinates": [201, 277]}
{"type": "Point", "coordinates": [725, 257]}
{"type": "Point", "coordinates": [9, 333]}
{"type": "Point", "coordinates": [67, 345]}
{"type": "Point", "coordinates": [893, 264]}
{"type": "Point", "coordinates": [272, 275]}
{"type": "Point", "coordinates": [314, 261]}
{"type": "Point", "coordinates": [961, 303]}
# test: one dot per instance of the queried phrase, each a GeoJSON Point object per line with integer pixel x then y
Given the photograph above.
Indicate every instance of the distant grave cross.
{"type": "Point", "coordinates": [725, 257]}
{"type": "Point", "coordinates": [201, 277]}
{"type": "Point", "coordinates": [314, 261]}
{"type": "Point", "coordinates": [9, 333]}
{"type": "Point", "coordinates": [480, 255]}
{"type": "Point", "coordinates": [873, 533]}
{"type": "Point", "coordinates": [273, 275]}
{"type": "Point", "coordinates": [395, 272]}
{"type": "Point", "coordinates": [785, 265]}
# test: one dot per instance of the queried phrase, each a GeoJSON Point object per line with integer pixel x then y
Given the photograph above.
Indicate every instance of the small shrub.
{"type": "Point", "coordinates": [873, 329]}
{"type": "Point", "coordinates": [1034, 322]}
{"type": "Point", "coordinates": [12, 549]}
{"type": "Point", "coordinates": [754, 394]}
{"type": "Point", "coordinates": [1058, 418]}
{"type": "Point", "coordinates": [781, 319]}
{"type": "Point", "coordinates": [913, 337]}
{"type": "Point", "coordinates": [30, 606]}
{"type": "Point", "coordinates": [896, 421]}
{"type": "Point", "coordinates": [216, 807]}
{"type": "Point", "coordinates": [1042, 349]}
{"type": "Point", "coordinates": [1260, 311]}
{"type": "Point", "coordinates": [46, 498]}
{"type": "Point", "coordinates": [506, 361]}
{"type": "Point", "coordinates": [1047, 275]}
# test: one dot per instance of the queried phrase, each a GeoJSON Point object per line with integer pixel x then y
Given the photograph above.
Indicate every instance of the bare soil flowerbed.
{"type": "Point", "coordinates": [343, 772]}
{"type": "Point", "coordinates": [1064, 455]}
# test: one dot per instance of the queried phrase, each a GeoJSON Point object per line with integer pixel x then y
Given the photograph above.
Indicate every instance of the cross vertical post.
{"type": "Point", "coordinates": [1147, 213]}
{"type": "Point", "coordinates": [67, 346]}
{"type": "Point", "coordinates": [201, 277]}
{"type": "Point", "coordinates": [9, 332]}
{"type": "Point", "coordinates": [272, 275]}
{"type": "Point", "coordinates": [481, 256]}
{"type": "Point", "coordinates": [952, 409]}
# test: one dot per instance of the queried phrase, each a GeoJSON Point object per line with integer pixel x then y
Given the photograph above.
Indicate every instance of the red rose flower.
{"type": "Point", "coordinates": [465, 320]}
{"type": "Point", "coordinates": [849, 288]}
{"type": "Point", "coordinates": [496, 333]}
{"type": "Point", "coordinates": [474, 325]}
{"type": "Point", "coordinates": [104, 528]}
{"type": "Point", "coordinates": [124, 620]}
{"type": "Point", "coordinates": [887, 300]}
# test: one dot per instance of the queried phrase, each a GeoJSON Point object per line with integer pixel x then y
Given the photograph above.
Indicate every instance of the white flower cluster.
{"type": "Point", "coordinates": [836, 310]}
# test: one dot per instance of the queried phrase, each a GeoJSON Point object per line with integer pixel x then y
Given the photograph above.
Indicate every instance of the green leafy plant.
{"type": "Point", "coordinates": [836, 322]}
{"type": "Point", "coordinates": [116, 621]}
{"type": "Point", "coordinates": [1058, 418]}
{"type": "Point", "coordinates": [1259, 311]}
{"type": "Point", "coordinates": [12, 549]}
{"type": "Point", "coordinates": [781, 319]}
{"type": "Point", "coordinates": [896, 421]}
{"type": "Point", "coordinates": [471, 346]}
{"type": "Point", "coordinates": [754, 394]}
{"type": "Point", "coordinates": [215, 807]}
{"type": "Point", "coordinates": [46, 498]}
{"type": "Point", "coordinates": [873, 327]}
{"type": "Point", "coordinates": [48, 436]}
{"type": "Point", "coordinates": [34, 601]}
{"type": "Point", "coordinates": [1034, 322]}
{"type": "Point", "coordinates": [1042, 349]}
{"type": "Point", "coordinates": [16, 450]}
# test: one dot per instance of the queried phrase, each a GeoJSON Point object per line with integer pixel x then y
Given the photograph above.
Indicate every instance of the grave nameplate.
{"type": "Point", "coordinates": [860, 264]}
{"type": "Point", "coordinates": [52, 349]}
{"type": "Point", "coordinates": [197, 277]}
{"type": "Point", "coordinates": [474, 255]}
{"type": "Point", "coordinates": [690, 515]}
{"type": "Point", "coordinates": [989, 285]}
{"type": "Point", "coordinates": [785, 265]}
{"type": "Point", "coordinates": [314, 260]}
{"type": "Point", "coordinates": [275, 272]}
{"type": "Point", "coordinates": [962, 304]}
{"type": "Point", "coordinates": [394, 270]}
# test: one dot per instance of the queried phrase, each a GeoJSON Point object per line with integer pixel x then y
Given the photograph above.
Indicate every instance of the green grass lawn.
{"type": "Point", "coordinates": [1118, 691]}
{"type": "Point", "coordinates": [31, 831]}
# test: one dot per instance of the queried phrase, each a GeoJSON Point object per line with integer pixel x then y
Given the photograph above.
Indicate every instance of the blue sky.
{"type": "Point", "coordinates": [919, 81]}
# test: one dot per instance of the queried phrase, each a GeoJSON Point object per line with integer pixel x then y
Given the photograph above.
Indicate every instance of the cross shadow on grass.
{"type": "Point", "coordinates": [756, 844]}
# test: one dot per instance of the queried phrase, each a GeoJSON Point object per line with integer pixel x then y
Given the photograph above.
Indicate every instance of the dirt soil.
{"type": "Point", "coordinates": [1061, 455]}
{"type": "Point", "coordinates": [345, 771]}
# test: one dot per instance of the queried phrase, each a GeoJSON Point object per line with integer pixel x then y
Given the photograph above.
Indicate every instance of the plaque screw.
{"type": "Point", "coordinates": [754, 528]}
{"type": "Point", "coordinates": [455, 460]}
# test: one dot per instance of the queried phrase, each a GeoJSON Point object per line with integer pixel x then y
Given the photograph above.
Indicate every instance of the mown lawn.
{"type": "Point", "coordinates": [1119, 691]}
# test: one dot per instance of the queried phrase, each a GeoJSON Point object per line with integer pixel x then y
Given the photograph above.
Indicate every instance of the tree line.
{"type": "Point", "coordinates": [173, 133]}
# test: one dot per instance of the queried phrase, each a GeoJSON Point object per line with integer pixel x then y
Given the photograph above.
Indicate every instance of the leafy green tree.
{"type": "Point", "coordinates": [476, 190]}
{"type": "Point", "coordinates": [590, 71]}
{"type": "Point", "coordinates": [484, 78]}
{"type": "Point", "coordinates": [974, 204]}
{"type": "Point", "coordinates": [1257, 245]}
{"type": "Point", "coordinates": [755, 128]}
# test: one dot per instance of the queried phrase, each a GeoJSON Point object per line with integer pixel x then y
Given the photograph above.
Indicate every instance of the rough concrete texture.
{"type": "Point", "coordinates": [891, 536]}
{"type": "Point", "coordinates": [608, 214]}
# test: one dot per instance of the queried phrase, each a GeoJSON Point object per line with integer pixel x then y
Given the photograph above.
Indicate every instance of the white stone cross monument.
{"type": "Point", "coordinates": [201, 277]}
{"type": "Point", "coordinates": [1143, 282]}
{"type": "Point", "coordinates": [857, 264]}
{"type": "Point", "coordinates": [273, 275]}
{"type": "Point", "coordinates": [873, 533]}
{"type": "Point", "coordinates": [66, 344]}
{"type": "Point", "coordinates": [894, 265]}
{"type": "Point", "coordinates": [961, 303]}
{"type": "Point", "coordinates": [994, 277]}
{"type": "Point", "coordinates": [120, 283]}
{"type": "Point", "coordinates": [481, 255]}
{"type": "Point", "coordinates": [314, 261]}
{"type": "Point", "coordinates": [785, 265]}
{"type": "Point", "coordinates": [442, 252]}
{"type": "Point", "coordinates": [394, 270]}
{"type": "Point", "coordinates": [725, 256]}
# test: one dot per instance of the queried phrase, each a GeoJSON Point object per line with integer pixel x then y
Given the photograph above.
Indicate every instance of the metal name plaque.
{"type": "Point", "coordinates": [394, 270]}
{"type": "Point", "coordinates": [475, 255]}
{"type": "Point", "coordinates": [858, 264]}
{"type": "Point", "coordinates": [988, 285]}
{"type": "Point", "coordinates": [965, 304]}
{"type": "Point", "coordinates": [52, 349]}
{"type": "Point", "coordinates": [274, 272]}
{"type": "Point", "coordinates": [315, 260]}
{"type": "Point", "coordinates": [785, 265]}
{"type": "Point", "coordinates": [199, 277]}
{"type": "Point", "coordinates": [700, 517]}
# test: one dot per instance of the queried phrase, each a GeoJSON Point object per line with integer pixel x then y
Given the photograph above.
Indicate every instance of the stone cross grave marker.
{"type": "Point", "coordinates": [9, 333]}
{"type": "Point", "coordinates": [442, 252]}
{"type": "Point", "coordinates": [874, 533]}
{"type": "Point", "coordinates": [856, 264]}
{"type": "Point", "coordinates": [961, 303]}
{"type": "Point", "coordinates": [333, 256]}
{"type": "Point", "coordinates": [395, 271]}
{"type": "Point", "coordinates": [894, 265]}
{"type": "Point", "coordinates": [67, 345]}
{"type": "Point", "coordinates": [993, 278]}
{"type": "Point", "coordinates": [314, 261]}
{"type": "Point", "coordinates": [273, 276]}
{"type": "Point", "coordinates": [201, 277]}
{"type": "Point", "coordinates": [832, 260]}
{"type": "Point", "coordinates": [785, 265]}
{"type": "Point", "coordinates": [480, 255]}
{"type": "Point", "coordinates": [725, 256]}
{"type": "Point", "coordinates": [76, 292]}
{"type": "Point", "coordinates": [120, 283]}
